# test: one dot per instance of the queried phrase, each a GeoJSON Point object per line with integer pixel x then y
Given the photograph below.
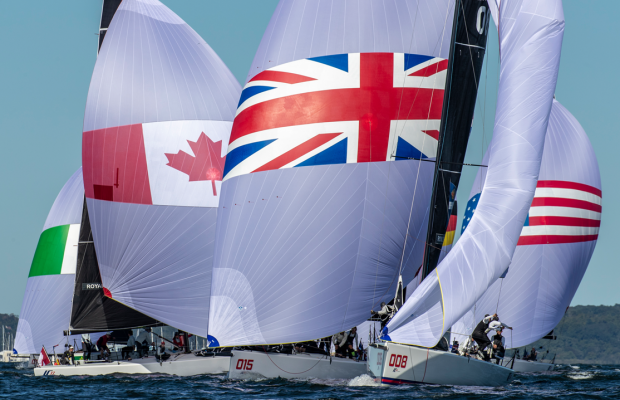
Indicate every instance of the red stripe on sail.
{"type": "Point", "coordinates": [564, 221]}
{"type": "Point", "coordinates": [569, 185]}
{"type": "Point", "coordinates": [298, 151]}
{"type": "Point", "coordinates": [452, 223]}
{"type": "Point", "coordinates": [431, 69]}
{"type": "Point", "coordinates": [114, 165]}
{"type": "Point", "coordinates": [561, 202]}
{"type": "Point", "coordinates": [284, 77]}
{"type": "Point", "coordinates": [554, 239]}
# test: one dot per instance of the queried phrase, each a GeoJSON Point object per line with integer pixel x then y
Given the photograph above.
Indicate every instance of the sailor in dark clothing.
{"type": "Point", "coordinates": [499, 343]}
{"type": "Point", "coordinates": [480, 334]}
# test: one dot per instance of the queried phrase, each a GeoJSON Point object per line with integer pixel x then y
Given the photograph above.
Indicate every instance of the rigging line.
{"type": "Point", "coordinates": [400, 269]}
{"type": "Point", "coordinates": [484, 110]}
{"type": "Point", "coordinates": [499, 294]}
{"type": "Point", "coordinates": [471, 58]}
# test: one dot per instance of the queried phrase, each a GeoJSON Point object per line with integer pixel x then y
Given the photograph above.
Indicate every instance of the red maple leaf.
{"type": "Point", "coordinates": [205, 165]}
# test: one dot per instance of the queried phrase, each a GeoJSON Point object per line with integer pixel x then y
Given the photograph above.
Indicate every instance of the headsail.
{"type": "Point", "coordinates": [556, 243]}
{"type": "Point", "coordinates": [156, 128]}
{"type": "Point", "coordinates": [530, 57]}
{"type": "Point", "coordinates": [47, 302]}
{"type": "Point", "coordinates": [312, 218]}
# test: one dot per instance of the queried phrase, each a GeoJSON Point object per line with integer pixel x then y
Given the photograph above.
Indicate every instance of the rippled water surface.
{"type": "Point", "coordinates": [567, 382]}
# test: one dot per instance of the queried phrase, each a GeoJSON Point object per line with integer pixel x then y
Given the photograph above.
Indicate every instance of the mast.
{"type": "Point", "coordinates": [467, 48]}
{"type": "Point", "coordinates": [108, 10]}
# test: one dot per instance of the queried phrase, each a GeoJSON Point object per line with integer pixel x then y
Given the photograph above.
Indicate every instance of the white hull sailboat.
{"type": "Point", "coordinates": [397, 364]}
{"type": "Point", "coordinates": [179, 364]}
{"type": "Point", "coordinates": [256, 364]}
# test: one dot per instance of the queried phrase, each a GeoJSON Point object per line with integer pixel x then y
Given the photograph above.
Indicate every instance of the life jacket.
{"type": "Point", "coordinates": [481, 327]}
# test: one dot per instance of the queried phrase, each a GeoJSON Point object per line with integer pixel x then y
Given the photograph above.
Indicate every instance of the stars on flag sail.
{"type": "Point", "coordinates": [46, 307]}
{"type": "Point", "coordinates": [156, 129]}
{"type": "Point", "coordinates": [556, 242]}
{"type": "Point", "coordinates": [530, 57]}
{"type": "Point", "coordinates": [316, 209]}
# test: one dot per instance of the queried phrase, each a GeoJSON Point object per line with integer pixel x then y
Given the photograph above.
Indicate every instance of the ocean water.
{"type": "Point", "coordinates": [567, 382]}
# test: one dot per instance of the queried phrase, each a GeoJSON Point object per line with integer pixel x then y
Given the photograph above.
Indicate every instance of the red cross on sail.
{"type": "Point", "coordinates": [308, 107]}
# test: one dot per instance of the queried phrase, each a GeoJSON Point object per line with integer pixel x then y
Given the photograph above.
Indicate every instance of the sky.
{"type": "Point", "coordinates": [48, 53]}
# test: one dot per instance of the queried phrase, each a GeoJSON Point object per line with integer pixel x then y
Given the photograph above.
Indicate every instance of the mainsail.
{"type": "Point", "coordinates": [556, 243]}
{"type": "Point", "coordinates": [156, 127]}
{"type": "Point", "coordinates": [327, 182]}
{"type": "Point", "coordinates": [47, 302]}
{"type": "Point", "coordinates": [530, 46]}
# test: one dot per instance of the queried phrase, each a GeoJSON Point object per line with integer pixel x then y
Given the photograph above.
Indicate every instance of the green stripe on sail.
{"type": "Point", "coordinates": [50, 251]}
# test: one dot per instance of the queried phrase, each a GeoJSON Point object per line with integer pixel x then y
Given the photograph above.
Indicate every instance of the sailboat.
{"type": "Point", "coordinates": [330, 170]}
{"type": "Point", "coordinates": [531, 35]}
{"type": "Point", "coordinates": [46, 308]}
{"type": "Point", "coordinates": [555, 245]}
{"type": "Point", "coordinates": [156, 127]}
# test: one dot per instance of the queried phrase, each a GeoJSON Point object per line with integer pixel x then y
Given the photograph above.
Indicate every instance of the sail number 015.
{"type": "Point", "coordinates": [245, 364]}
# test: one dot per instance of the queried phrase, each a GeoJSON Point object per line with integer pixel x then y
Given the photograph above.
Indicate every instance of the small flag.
{"type": "Point", "coordinates": [43, 358]}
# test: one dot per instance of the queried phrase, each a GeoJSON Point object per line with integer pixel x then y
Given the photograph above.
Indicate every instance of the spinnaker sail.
{"type": "Point", "coordinates": [92, 310]}
{"type": "Point", "coordinates": [530, 46]}
{"type": "Point", "coordinates": [556, 243]}
{"type": "Point", "coordinates": [156, 127]}
{"type": "Point", "coordinates": [46, 307]}
{"type": "Point", "coordinates": [327, 182]}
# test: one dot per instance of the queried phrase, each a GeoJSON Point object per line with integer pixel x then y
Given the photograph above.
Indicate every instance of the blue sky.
{"type": "Point", "coordinates": [48, 53]}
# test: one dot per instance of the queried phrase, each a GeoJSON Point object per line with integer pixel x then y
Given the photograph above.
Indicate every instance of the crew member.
{"type": "Point", "coordinates": [346, 345]}
{"type": "Point", "coordinates": [176, 341]}
{"type": "Point", "coordinates": [480, 333]}
{"type": "Point", "coordinates": [69, 356]}
{"type": "Point", "coordinates": [131, 344]}
{"type": "Point", "coordinates": [384, 314]}
{"type": "Point", "coordinates": [531, 356]}
{"type": "Point", "coordinates": [338, 339]}
{"type": "Point", "coordinates": [499, 345]}
{"type": "Point", "coordinates": [102, 344]}
{"type": "Point", "coordinates": [142, 342]}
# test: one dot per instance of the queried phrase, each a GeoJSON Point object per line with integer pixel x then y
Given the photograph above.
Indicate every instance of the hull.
{"type": "Point", "coordinates": [524, 366]}
{"type": "Point", "coordinates": [256, 365]}
{"type": "Point", "coordinates": [396, 364]}
{"type": "Point", "coordinates": [181, 365]}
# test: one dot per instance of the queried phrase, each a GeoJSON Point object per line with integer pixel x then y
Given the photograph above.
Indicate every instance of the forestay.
{"type": "Point", "coordinates": [156, 128]}
{"type": "Point", "coordinates": [530, 54]}
{"type": "Point", "coordinates": [556, 243]}
{"type": "Point", "coordinates": [46, 307]}
{"type": "Point", "coordinates": [312, 218]}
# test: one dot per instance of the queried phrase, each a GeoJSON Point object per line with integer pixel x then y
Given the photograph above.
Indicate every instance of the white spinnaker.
{"type": "Point", "coordinates": [158, 117]}
{"type": "Point", "coordinates": [543, 277]}
{"type": "Point", "coordinates": [531, 34]}
{"type": "Point", "coordinates": [46, 307]}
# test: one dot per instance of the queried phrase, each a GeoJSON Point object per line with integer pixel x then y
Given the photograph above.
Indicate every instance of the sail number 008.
{"type": "Point", "coordinates": [245, 364]}
{"type": "Point", "coordinates": [398, 361]}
